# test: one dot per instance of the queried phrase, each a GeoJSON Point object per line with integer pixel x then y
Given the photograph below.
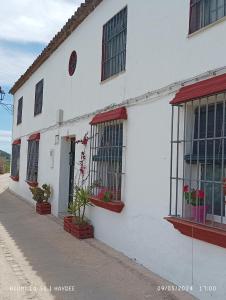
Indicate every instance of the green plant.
{"type": "Point", "coordinates": [80, 201]}
{"type": "Point", "coordinates": [194, 197]}
{"type": "Point", "coordinates": [41, 194]}
{"type": "Point", "coordinates": [107, 196]}
{"type": "Point", "coordinates": [82, 192]}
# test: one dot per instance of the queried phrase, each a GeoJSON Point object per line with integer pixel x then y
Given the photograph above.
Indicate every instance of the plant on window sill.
{"type": "Point", "coordinates": [105, 199]}
{"type": "Point", "coordinates": [41, 195]}
{"type": "Point", "coordinates": [195, 203]}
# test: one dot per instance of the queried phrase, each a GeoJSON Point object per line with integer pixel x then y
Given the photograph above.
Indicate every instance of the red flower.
{"type": "Point", "coordinates": [200, 194]}
{"type": "Point", "coordinates": [85, 140]}
{"type": "Point", "coordinates": [186, 189]}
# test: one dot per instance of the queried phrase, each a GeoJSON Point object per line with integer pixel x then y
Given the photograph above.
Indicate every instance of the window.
{"type": "Point", "coordinates": [205, 12]}
{"type": "Point", "coordinates": [32, 158]}
{"type": "Point", "coordinates": [198, 162]}
{"type": "Point", "coordinates": [19, 110]}
{"type": "Point", "coordinates": [15, 163]}
{"type": "Point", "coordinates": [114, 45]}
{"type": "Point", "coordinates": [107, 151]}
{"type": "Point", "coordinates": [38, 97]}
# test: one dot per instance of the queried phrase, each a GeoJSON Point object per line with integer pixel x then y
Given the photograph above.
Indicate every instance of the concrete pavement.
{"type": "Point", "coordinates": [39, 260]}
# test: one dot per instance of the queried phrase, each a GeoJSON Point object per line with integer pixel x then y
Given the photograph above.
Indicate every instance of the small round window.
{"type": "Point", "coordinates": [72, 63]}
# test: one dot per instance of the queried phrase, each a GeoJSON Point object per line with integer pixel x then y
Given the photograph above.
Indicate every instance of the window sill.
{"type": "Point", "coordinates": [116, 206]}
{"type": "Point", "coordinates": [32, 183]}
{"type": "Point", "coordinates": [215, 236]}
{"type": "Point", "coordinates": [206, 27]}
{"type": "Point", "coordinates": [15, 178]}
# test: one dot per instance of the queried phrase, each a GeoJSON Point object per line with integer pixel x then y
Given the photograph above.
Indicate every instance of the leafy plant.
{"type": "Point", "coordinates": [194, 197]}
{"type": "Point", "coordinates": [80, 201]}
{"type": "Point", "coordinates": [105, 195]}
{"type": "Point", "coordinates": [41, 194]}
{"type": "Point", "coordinates": [82, 192]}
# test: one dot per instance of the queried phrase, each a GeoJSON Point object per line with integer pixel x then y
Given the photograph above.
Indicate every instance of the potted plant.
{"type": "Point", "coordinates": [41, 195]}
{"type": "Point", "coordinates": [196, 199]}
{"type": "Point", "coordinates": [107, 199]}
{"type": "Point", "coordinates": [77, 224]}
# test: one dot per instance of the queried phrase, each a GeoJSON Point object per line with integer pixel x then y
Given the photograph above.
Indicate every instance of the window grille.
{"type": "Point", "coordinates": [32, 160]}
{"type": "Point", "coordinates": [38, 97]}
{"type": "Point", "coordinates": [114, 45]}
{"type": "Point", "coordinates": [106, 159]}
{"type": "Point", "coordinates": [205, 12]}
{"type": "Point", "coordinates": [19, 110]}
{"type": "Point", "coordinates": [198, 160]}
{"type": "Point", "coordinates": [15, 163]}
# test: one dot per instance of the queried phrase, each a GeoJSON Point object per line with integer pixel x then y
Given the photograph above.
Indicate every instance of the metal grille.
{"type": "Point", "coordinates": [205, 12]}
{"type": "Point", "coordinates": [198, 160]}
{"type": "Point", "coordinates": [19, 110]}
{"type": "Point", "coordinates": [32, 161]}
{"type": "Point", "coordinates": [106, 159]}
{"type": "Point", "coordinates": [15, 164]}
{"type": "Point", "coordinates": [38, 97]}
{"type": "Point", "coordinates": [114, 45]}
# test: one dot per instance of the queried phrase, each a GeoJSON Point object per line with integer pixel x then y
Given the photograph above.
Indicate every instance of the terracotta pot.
{"type": "Point", "coordinates": [115, 206]}
{"type": "Point", "coordinates": [83, 231]}
{"type": "Point", "coordinates": [43, 208]}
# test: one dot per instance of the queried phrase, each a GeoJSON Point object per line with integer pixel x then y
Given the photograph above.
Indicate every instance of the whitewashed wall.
{"type": "Point", "coordinates": [158, 53]}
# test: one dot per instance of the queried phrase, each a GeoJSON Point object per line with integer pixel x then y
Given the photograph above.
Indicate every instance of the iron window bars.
{"type": "Point", "coordinates": [205, 12]}
{"type": "Point", "coordinates": [198, 160]}
{"type": "Point", "coordinates": [106, 159]}
{"type": "Point", "coordinates": [15, 163]}
{"type": "Point", "coordinates": [32, 160]}
{"type": "Point", "coordinates": [38, 97]}
{"type": "Point", "coordinates": [114, 45]}
{"type": "Point", "coordinates": [19, 111]}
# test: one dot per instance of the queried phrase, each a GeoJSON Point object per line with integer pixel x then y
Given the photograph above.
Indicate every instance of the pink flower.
{"type": "Point", "coordinates": [186, 189]}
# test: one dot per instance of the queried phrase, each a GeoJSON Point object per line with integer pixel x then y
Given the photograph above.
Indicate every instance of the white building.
{"type": "Point", "coordinates": [118, 64]}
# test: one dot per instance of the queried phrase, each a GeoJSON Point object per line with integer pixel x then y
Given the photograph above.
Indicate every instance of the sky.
{"type": "Point", "coordinates": [26, 28]}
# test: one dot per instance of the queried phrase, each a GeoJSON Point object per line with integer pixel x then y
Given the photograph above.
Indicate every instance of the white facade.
{"type": "Point", "coordinates": [159, 53]}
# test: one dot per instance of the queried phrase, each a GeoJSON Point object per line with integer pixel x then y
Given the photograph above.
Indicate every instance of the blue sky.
{"type": "Point", "coordinates": [26, 27]}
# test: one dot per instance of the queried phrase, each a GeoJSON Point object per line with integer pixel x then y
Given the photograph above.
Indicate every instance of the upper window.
{"type": "Point", "coordinates": [15, 164]}
{"type": "Point", "coordinates": [38, 97]}
{"type": "Point", "coordinates": [114, 45]}
{"type": "Point", "coordinates": [32, 158]}
{"type": "Point", "coordinates": [19, 110]}
{"type": "Point", "coordinates": [205, 12]}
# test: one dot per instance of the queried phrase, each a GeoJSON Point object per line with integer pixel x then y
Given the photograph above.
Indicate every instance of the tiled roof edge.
{"type": "Point", "coordinates": [79, 16]}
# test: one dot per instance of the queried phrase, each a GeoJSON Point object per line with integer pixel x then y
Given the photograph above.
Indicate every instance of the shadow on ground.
{"type": "Point", "coordinates": [62, 261]}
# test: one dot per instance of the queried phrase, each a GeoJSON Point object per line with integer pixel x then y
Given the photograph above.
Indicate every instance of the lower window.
{"type": "Point", "coordinates": [32, 160]}
{"type": "Point", "coordinates": [198, 161]}
{"type": "Point", "coordinates": [15, 164]}
{"type": "Point", "coordinates": [106, 167]}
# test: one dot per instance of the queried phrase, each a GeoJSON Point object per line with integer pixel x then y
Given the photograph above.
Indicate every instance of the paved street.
{"type": "Point", "coordinates": [39, 260]}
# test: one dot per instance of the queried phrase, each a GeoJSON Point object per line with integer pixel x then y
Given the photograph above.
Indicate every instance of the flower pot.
{"type": "Point", "coordinates": [115, 206]}
{"type": "Point", "coordinates": [187, 211]}
{"type": "Point", "coordinates": [83, 231]}
{"type": "Point", "coordinates": [199, 213]}
{"type": "Point", "coordinates": [43, 208]}
{"type": "Point", "coordinates": [67, 223]}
